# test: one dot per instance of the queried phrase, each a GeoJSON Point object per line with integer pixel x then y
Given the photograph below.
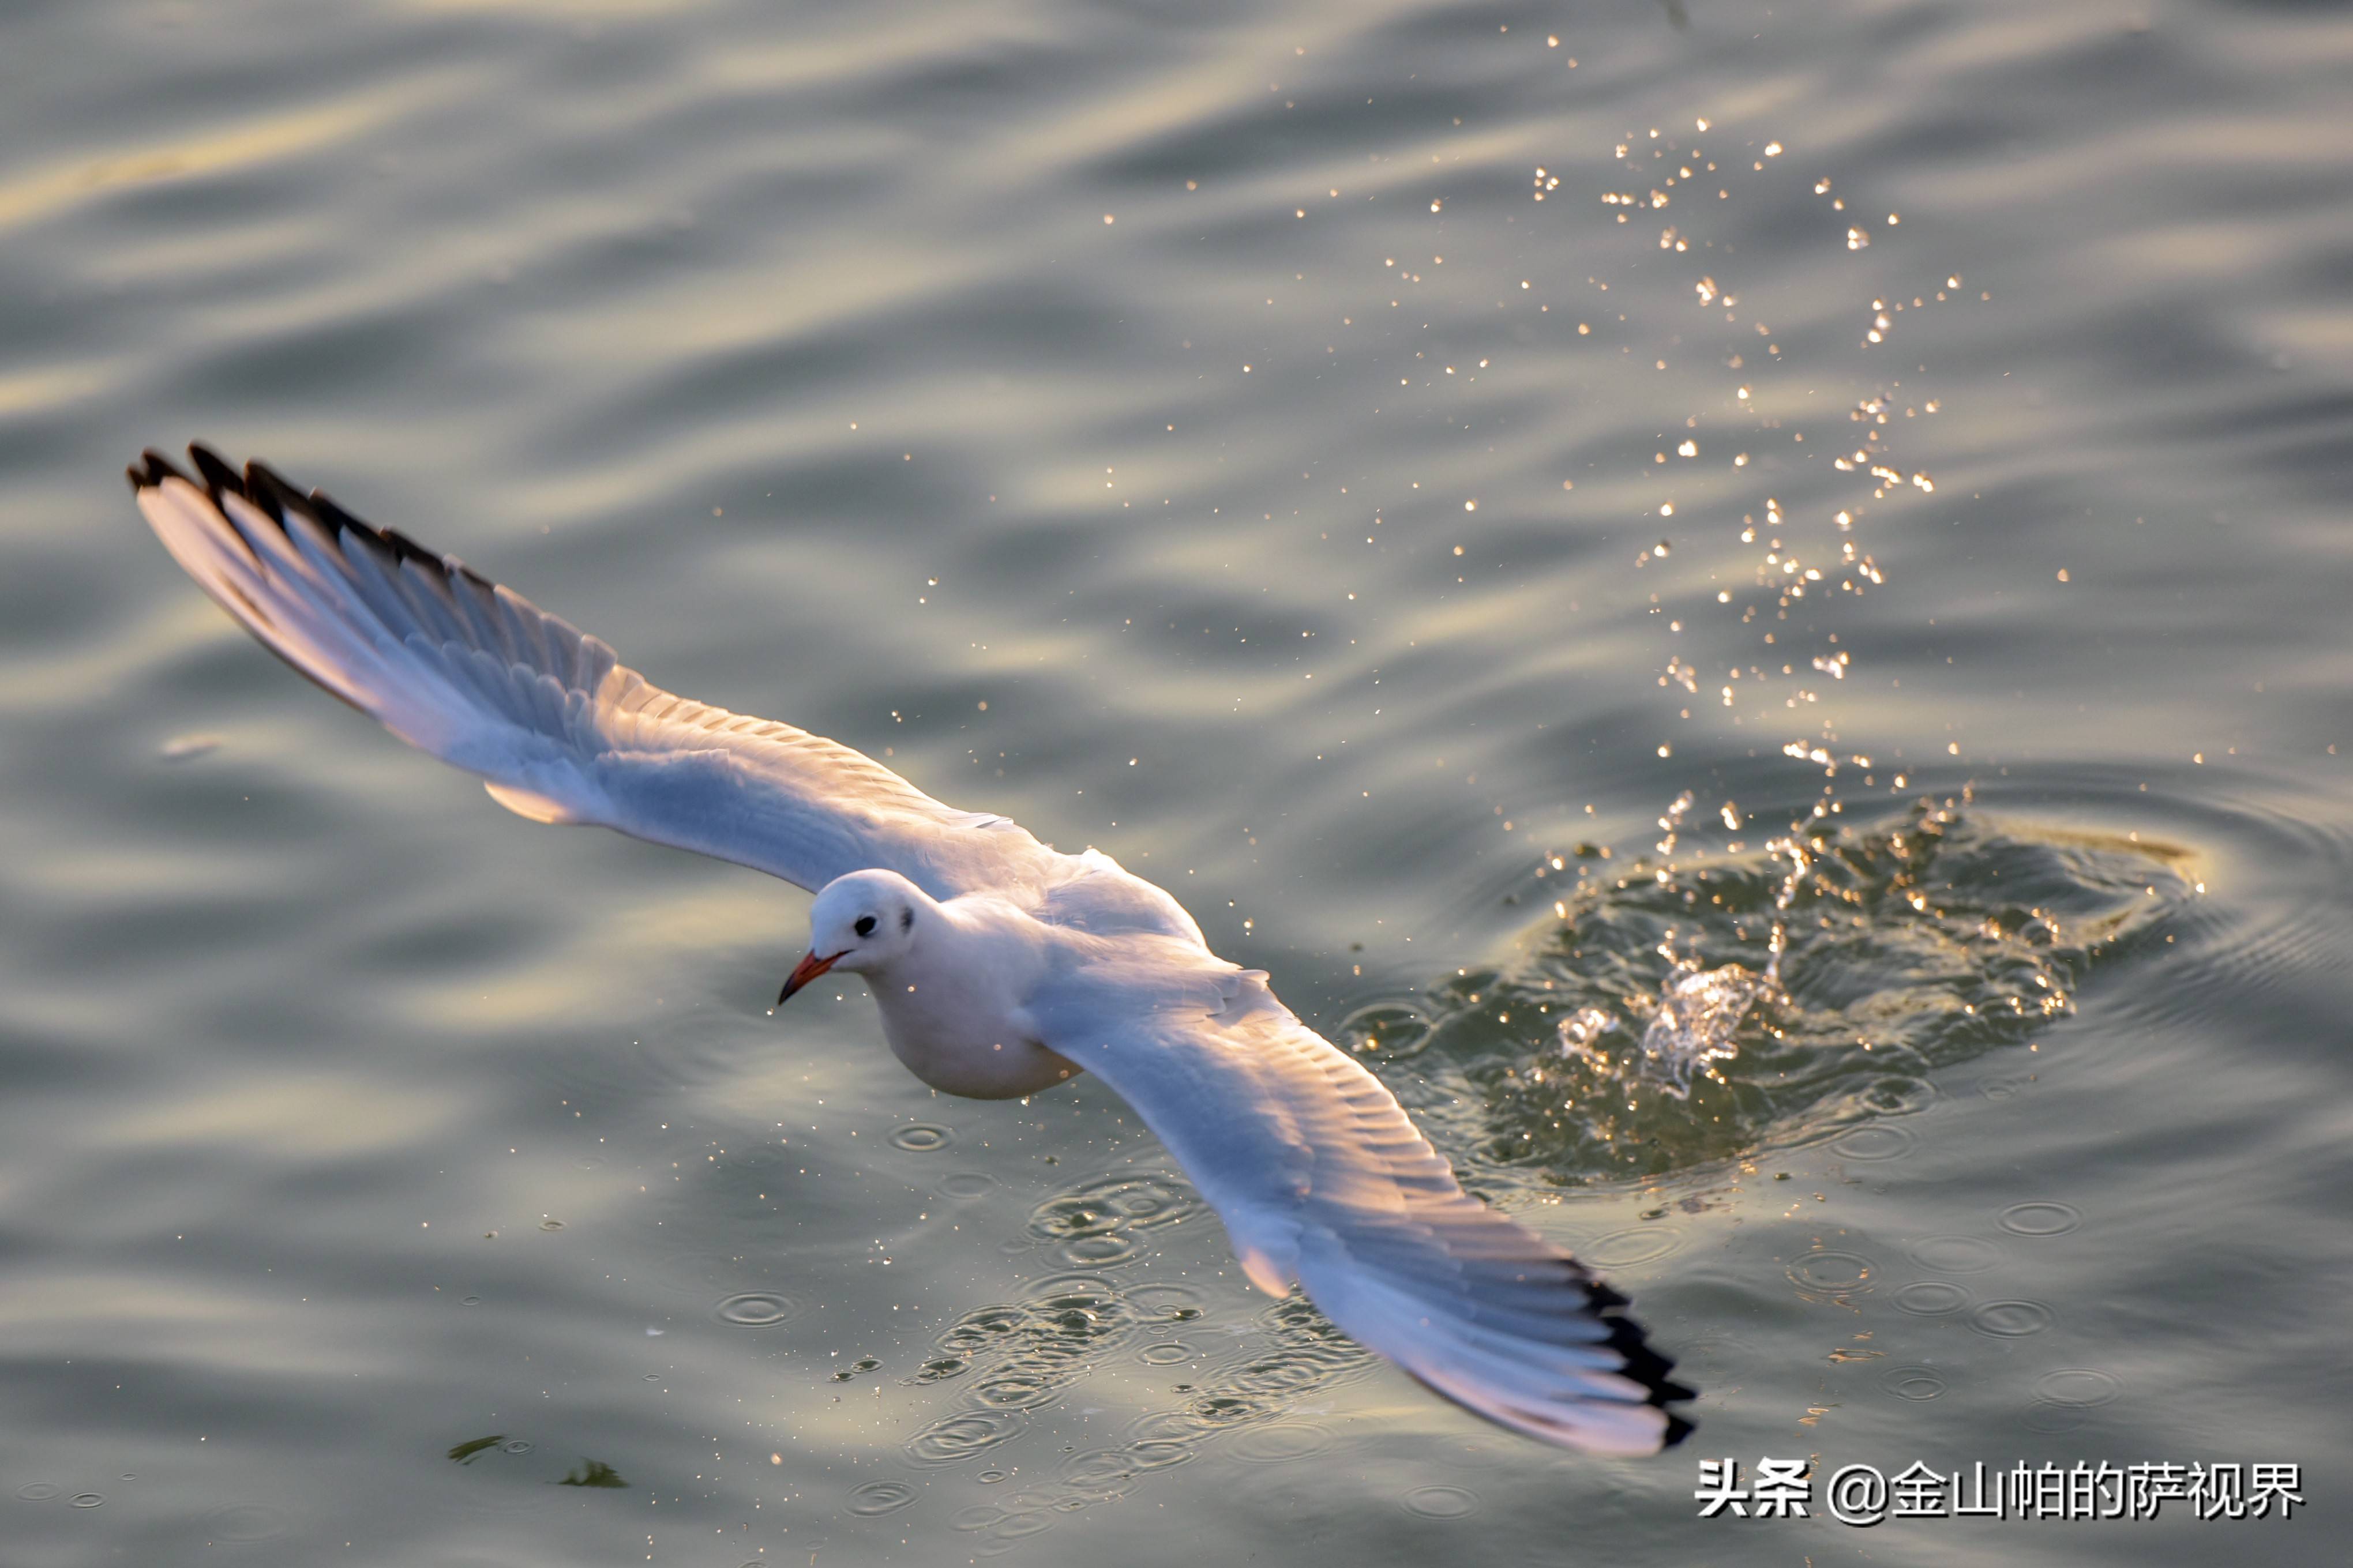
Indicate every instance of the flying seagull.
{"type": "Point", "coordinates": [1001, 966]}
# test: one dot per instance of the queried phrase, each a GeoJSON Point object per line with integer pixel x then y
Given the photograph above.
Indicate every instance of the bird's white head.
{"type": "Point", "coordinates": [862, 922]}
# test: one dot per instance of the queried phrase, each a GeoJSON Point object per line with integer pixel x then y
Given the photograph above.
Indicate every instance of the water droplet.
{"type": "Point", "coordinates": [1911, 1381]}
{"type": "Point", "coordinates": [1623, 1248]}
{"type": "Point", "coordinates": [755, 1310]}
{"type": "Point", "coordinates": [2081, 1385]}
{"type": "Point", "coordinates": [955, 1439]}
{"type": "Point", "coordinates": [920, 1137]}
{"type": "Point", "coordinates": [1875, 1142]}
{"type": "Point", "coordinates": [1956, 1254]}
{"type": "Point", "coordinates": [2012, 1320]}
{"type": "Point", "coordinates": [1932, 1298]}
{"type": "Point", "coordinates": [2042, 1218]}
{"type": "Point", "coordinates": [1015, 1526]}
{"type": "Point", "coordinates": [1100, 1251]}
{"type": "Point", "coordinates": [551, 1224]}
{"type": "Point", "coordinates": [881, 1497]}
{"type": "Point", "coordinates": [1836, 1273]}
{"type": "Point", "coordinates": [1896, 1094]}
{"type": "Point", "coordinates": [967, 1185]}
{"type": "Point", "coordinates": [1159, 1453]}
{"type": "Point", "coordinates": [1441, 1502]}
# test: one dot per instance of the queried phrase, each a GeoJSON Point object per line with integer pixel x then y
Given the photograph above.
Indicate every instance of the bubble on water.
{"type": "Point", "coordinates": [755, 1310]}
{"type": "Point", "coordinates": [1956, 1254]}
{"type": "Point", "coordinates": [1877, 1142]}
{"type": "Point", "coordinates": [1911, 1381]}
{"type": "Point", "coordinates": [881, 1497]}
{"type": "Point", "coordinates": [1624, 1248]}
{"type": "Point", "coordinates": [1931, 1298]}
{"type": "Point", "coordinates": [2082, 1385]}
{"type": "Point", "coordinates": [1831, 1273]}
{"type": "Point", "coordinates": [1441, 1502]}
{"type": "Point", "coordinates": [2040, 1218]}
{"type": "Point", "coordinates": [38, 1491]}
{"type": "Point", "coordinates": [2012, 1320]}
{"type": "Point", "coordinates": [967, 1185]}
{"type": "Point", "coordinates": [921, 1138]}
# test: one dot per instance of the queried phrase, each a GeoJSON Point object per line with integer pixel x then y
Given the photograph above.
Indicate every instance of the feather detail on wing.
{"type": "Point", "coordinates": [1321, 1177]}
{"type": "Point", "coordinates": [559, 729]}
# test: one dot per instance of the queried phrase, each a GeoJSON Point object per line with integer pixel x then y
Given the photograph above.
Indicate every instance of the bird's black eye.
{"type": "Point", "coordinates": [906, 917]}
{"type": "Point", "coordinates": [865, 926]}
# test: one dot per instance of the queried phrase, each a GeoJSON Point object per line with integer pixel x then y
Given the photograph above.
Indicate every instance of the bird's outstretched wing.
{"type": "Point", "coordinates": [559, 729]}
{"type": "Point", "coordinates": [1321, 1178]}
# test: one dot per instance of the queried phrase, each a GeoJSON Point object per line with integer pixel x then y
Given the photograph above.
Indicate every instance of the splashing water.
{"type": "Point", "coordinates": [1688, 1011]}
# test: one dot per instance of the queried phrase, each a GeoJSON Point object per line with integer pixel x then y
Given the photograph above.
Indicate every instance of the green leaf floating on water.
{"type": "Point", "coordinates": [1911, 944]}
{"type": "Point", "coordinates": [466, 1453]}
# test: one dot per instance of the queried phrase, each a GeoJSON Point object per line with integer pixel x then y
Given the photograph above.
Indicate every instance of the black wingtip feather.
{"type": "Point", "coordinates": [269, 491]}
{"type": "Point", "coordinates": [331, 516]}
{"type": "Point", "coordinates": [1643, 1364]}
{"type": "Point", "coordinates": [219, 477]}
{"type": "Point", "coordinates": [153, 470]}
{"type": "Point", "coordinates": [403, 548]}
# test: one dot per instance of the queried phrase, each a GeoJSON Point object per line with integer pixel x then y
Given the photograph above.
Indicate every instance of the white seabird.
{"type": "Point", "coordinates": [1001, 966]}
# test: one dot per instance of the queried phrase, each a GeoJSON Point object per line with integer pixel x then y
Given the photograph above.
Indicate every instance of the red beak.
{"type": "Point", "coordinates": [808, 969]}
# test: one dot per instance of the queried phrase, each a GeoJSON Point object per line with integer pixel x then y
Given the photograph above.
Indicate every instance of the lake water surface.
{"type": "Point", "coordinates": [1361, 465]}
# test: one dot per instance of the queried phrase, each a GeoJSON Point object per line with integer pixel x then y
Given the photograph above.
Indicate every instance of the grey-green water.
{"type": "Point", "coordinates": [1158, 425]}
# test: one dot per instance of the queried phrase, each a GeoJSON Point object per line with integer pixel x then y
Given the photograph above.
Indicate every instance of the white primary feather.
{"type": "Point", "coordinates": [1320, 1177]}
